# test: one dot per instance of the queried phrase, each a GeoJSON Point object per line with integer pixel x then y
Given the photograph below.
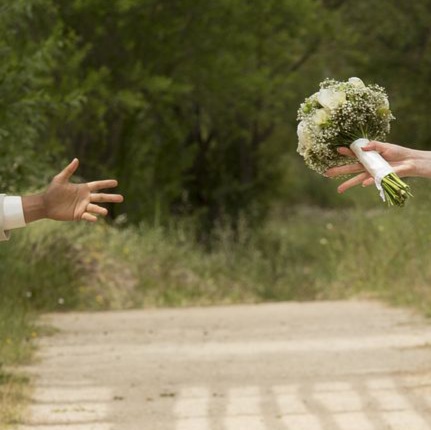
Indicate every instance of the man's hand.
{"type": "Point", "coordinates": [65, 201]}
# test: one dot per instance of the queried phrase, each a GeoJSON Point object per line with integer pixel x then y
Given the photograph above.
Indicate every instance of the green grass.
{"type": "Point", "coordinates": [13, 394]}
{"type": "Point", "coordinates": [16, 332]}
{"type": "Point", "coordinates": [300, 254]}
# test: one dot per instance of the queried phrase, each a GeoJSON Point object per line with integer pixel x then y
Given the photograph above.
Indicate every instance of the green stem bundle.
{"type": "Point", "coordinates": [396, 191]}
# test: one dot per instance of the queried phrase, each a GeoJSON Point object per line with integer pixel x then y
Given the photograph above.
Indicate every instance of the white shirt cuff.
{"type": "Point", "coordinates": [13, 213]}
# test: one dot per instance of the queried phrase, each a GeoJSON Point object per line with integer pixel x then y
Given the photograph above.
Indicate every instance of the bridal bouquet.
{"type": "Point", "coordinates": [349, 114]}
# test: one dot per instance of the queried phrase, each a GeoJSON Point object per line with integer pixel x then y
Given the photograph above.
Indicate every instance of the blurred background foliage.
{"type": "Point", "coordinates": [191, 104]}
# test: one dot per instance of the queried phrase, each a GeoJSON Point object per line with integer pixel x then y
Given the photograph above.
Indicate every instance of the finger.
{"type": "Point", "coordinates": [344, 170]}
{"type": "Point", "coordinates": [368, 182]}
{"type": "Point", "coordinates": [100, 185]}
{"type": "Point", "coordinates": [96, 209]}
{"type": "Point", "coordinates": [374, 145]}
{"type": "Point", "coordinates": [88, 217]}
{"type": "Point", "coordinates": [106, 198]}
{"type": "Point", "coordinates": [353, 182]}
{"type": "Point", "coordinates": [346, 152]}
{"type": "Point", "coordinates": [68, 171]}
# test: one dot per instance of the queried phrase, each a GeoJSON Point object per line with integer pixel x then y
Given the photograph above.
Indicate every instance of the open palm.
{"type": "Point", "coordinates": [65, 201]}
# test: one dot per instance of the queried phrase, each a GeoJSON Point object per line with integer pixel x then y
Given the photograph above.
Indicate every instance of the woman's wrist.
{"type": "Point", "coordinates": [421, 161]}
{"type": "Point", "coordinates": [33, 207]}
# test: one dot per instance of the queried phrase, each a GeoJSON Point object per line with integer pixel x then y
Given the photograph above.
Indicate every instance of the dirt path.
{"type": "Point", "coordinates": [291, 366]}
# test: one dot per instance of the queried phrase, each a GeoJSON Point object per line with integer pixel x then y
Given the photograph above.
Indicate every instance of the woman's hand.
{"type": "Point", "coordinates": [405, 162]}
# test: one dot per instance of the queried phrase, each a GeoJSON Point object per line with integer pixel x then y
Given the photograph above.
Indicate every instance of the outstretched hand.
{"type": "Point", "coordinates": [399, 157]}
{"type": "Point", "coordinates": [66, 201]}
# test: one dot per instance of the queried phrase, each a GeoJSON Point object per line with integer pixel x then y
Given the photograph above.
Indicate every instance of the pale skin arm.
{"type": "Point", "coordinates": [65, 201]}
{"type": "Point", "coordinates": [405, 162]}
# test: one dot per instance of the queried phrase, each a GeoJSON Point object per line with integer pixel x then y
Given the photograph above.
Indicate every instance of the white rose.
{"type": "Point", "coordinates": [330, 98]}
{"type": "Point", "coordinates": [385, 104]}
{"type": "Point", "coordinates": [357, 82]}
{"type": "Point", "coordinates": [304, 138]}
{"type": "Point", "coordinates": [384, 108]}
{"type": "Point", "coordinates": [320, 116]}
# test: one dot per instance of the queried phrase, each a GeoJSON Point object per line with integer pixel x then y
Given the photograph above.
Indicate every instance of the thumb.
{"type": "Point", "coordinates": [68, 171]}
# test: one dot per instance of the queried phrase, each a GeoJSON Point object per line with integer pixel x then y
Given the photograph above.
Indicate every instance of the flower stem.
{"type": "Point", "coordinates": [396, 190]}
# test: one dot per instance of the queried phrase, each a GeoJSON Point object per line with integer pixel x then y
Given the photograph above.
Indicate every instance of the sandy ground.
{"type": "Point", "coordinates": [292, 366]}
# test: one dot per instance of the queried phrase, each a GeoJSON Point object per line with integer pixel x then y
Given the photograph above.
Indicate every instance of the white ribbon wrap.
{"type": "Point", "coordinates": [373, 162]}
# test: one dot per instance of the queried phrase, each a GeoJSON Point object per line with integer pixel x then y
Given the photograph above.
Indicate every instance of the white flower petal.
{"type": "Point", "coordinates": [320, 116]}
{"type": "Point", "coordinates": [385, 103]}
{"type": "Point", "coordinates": [356, 82]}
{"type": "Point", "coordinates": [304, 139]}
{"type": "Point", "coordinates": [330, 98]}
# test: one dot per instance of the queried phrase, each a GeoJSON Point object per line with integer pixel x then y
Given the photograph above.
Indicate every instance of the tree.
{"type": "Point", "coordinates": [184, 97]}
{"type": "Point", "coordinates": [390, 43]}
{"type": "Point", "coordinates": [32, 46]}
